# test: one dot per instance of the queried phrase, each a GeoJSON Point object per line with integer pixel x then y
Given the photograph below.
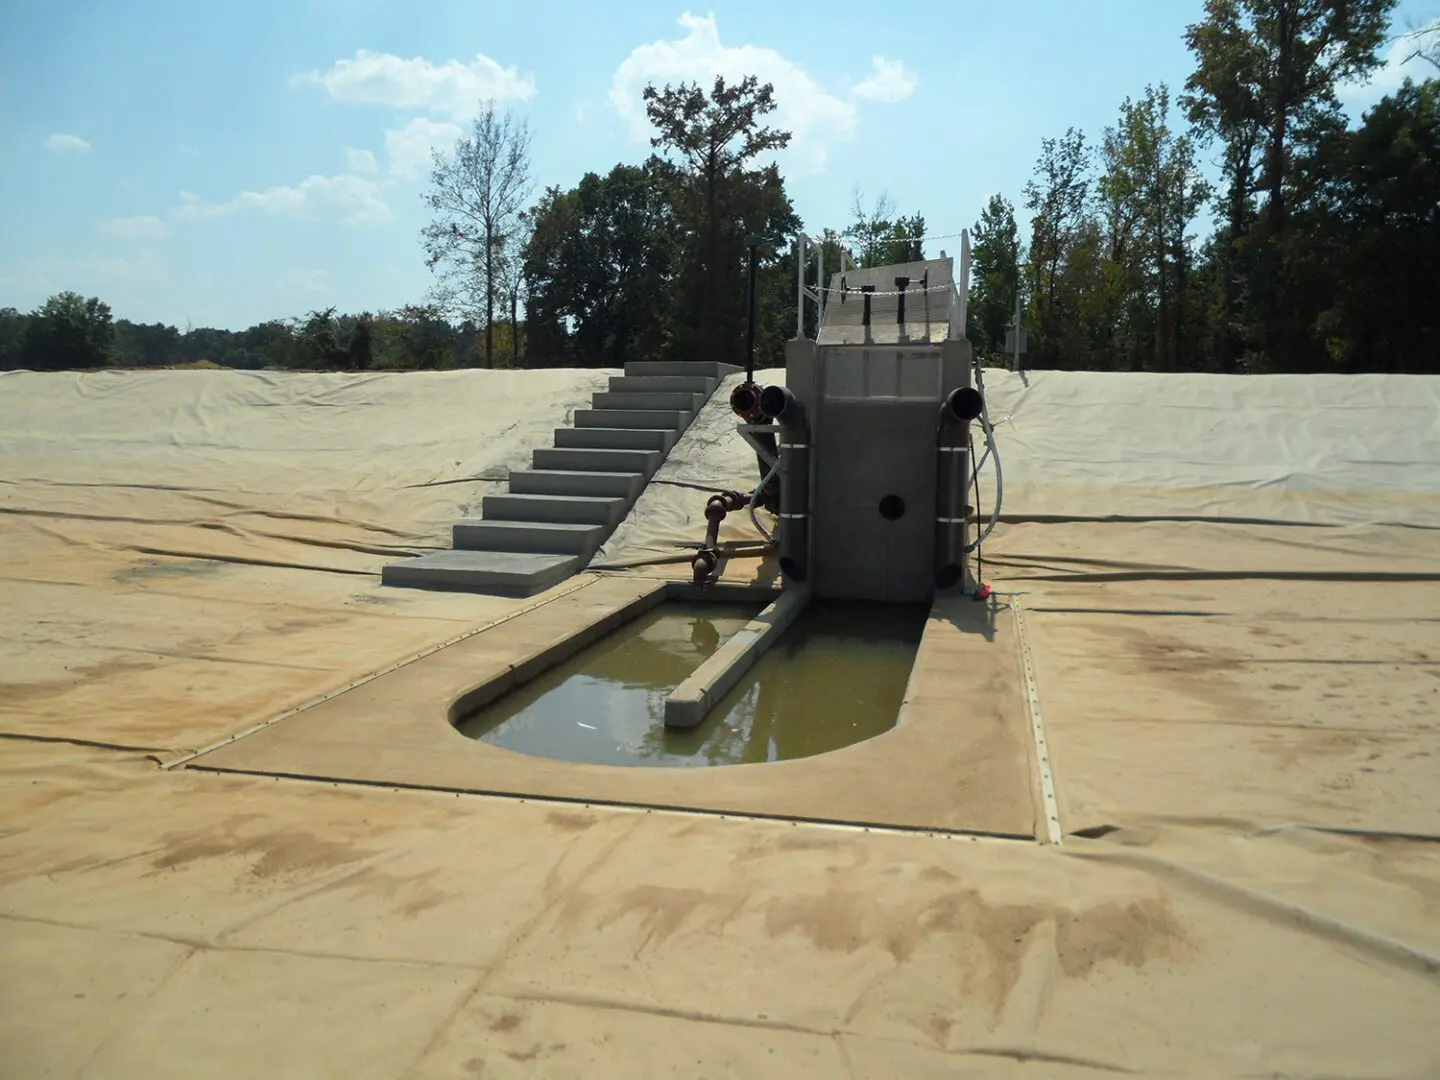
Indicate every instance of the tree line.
{"type": "Point", "coordinates": [1323, 255]}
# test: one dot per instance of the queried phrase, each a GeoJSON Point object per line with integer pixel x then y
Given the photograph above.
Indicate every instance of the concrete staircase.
{"type": "Point", "coordinates": [558, 512]}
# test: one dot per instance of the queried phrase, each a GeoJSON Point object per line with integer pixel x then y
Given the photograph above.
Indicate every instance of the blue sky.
{"type": "Point", "coordinates": [222, 163]}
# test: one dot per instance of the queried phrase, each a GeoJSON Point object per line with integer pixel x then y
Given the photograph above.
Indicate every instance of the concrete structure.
{"type": "Point", "coordinates": [871, 388]}
{"type": "Point", "coordinates": [557, 514]}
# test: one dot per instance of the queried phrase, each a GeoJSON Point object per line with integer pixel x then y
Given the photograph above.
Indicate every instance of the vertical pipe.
{"type": "Point", "coordinates": [1016, 364]}
{"type": "Point", "coordinates": [800, 287]}
{"type": "Point", "coordinates": [750, 321]}
{"type": "Point", "coordinates": [865, 291]}
{"type": "Point", "coordinates": [952, 484]}
{"type": "Point", "coordinates": [780, 404]}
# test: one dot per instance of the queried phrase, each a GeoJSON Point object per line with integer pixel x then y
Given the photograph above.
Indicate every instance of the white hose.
{"type": "Point", "coordinates": [991, 450]}
{"type": "Point", "coordinates": [764, 455]}
{"type": "Point", "coordinates": [755, 500]}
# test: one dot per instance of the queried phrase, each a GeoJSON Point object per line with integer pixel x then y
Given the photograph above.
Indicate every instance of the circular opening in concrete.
{"type": "Point", "coordinates": [836, 677]}
{"type": "Point", "coordinates": [892, 508]}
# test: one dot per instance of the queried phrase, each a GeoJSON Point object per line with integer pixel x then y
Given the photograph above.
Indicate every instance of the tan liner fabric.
{"type": "Point", "coordinates": [184, 553]}
{"type": "Point", "coordinates": [1241, 720]}
{"type": "Point", "coordinates": [1295, 449]}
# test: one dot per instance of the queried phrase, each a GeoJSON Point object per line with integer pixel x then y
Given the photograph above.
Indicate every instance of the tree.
{"type": "Point", "coordinates": [868, 232]}
{"type": "Point", "coordinates": [511, 274]}
{"type": "Point", "coordinates": [141, 345]}
{"type": "Point", "coordinates": [994, 276]}
{"type": "Point", "coordinates": [714, 139]}
{"type": "Point", "coordinates": [13, 327]}
{"type": "Point", "coordinates": [600, 265]}
{"type": "Point", "coordinates": [1264, 84]}
{"type": "Point", "coordinates": [318, 343]}
{"type": "Point", "coordinates": [477, 193]}
{"type": "Point", "coordinates": [360, 352]}
{"type": "Point", "coordinates": [1151, 191]}
{"type": "Point", "coordinates": [1425, 44]}
{"type": "Point", "coordinates": [69, 332]}
{"type": "Point", "coordinates": [878, 238]}
{"type": "Point", "coordinates": [1058, 200]}
{"type": "Point", "coordinates": [1381, 241]}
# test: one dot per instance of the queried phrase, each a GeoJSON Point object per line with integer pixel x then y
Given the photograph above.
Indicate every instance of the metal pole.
{"type": "Point", "coordinates": [753, 244]}
{"type": "Point", "coordinates": [1016, 365]}
{"type": "Point", "coordinates": [800, 287]}
{"type": "Point", "coordinates": [964, 281]}
{"type": "Point", "coordinates": [819, 287]}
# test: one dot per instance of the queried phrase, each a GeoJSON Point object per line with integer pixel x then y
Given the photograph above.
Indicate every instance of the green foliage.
{"type": "Point", "coordinates": [718, 200]}
{"type": "Point", "coordinates": [69, 332]}
{"type": "Point", "coordinates": [878, 238]}
{"type": "Point", "coordinates": [13, 327]}
{"type": "Point", "coordinates": [649, 262]}
{"type": "Point", "coordinates": [1058, 200]}
{"type": "Point", "coordinates": [994, 276]}
{"type": "Point", "coordinates": [1264, 88]}
{"type": "Point", "coordinates": [360, 352]}
{"type": "Point", "coordinates": [601, 266]}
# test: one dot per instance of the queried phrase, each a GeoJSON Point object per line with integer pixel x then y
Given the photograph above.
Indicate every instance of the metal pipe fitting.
{"type": "Point", "coordinates": [778, 403]}
{"type": "Point", "coordinates": [745, 401]}
{"type": "Point", "coordinates": [707, 559]}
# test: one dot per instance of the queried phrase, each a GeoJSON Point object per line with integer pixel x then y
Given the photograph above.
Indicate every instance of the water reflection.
{"type": "Point", "coordinates": [835, 678]}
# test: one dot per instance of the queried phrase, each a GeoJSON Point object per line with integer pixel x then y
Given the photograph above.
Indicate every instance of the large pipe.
{"type": "Point", "coordinates": [784, 408]}
{"type": "Point", "coordinates": [952, 482]}
{"type": "Point", "coordinates": [745, 403]}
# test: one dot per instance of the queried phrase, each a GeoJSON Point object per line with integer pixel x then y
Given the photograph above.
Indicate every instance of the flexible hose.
{"type": "Point", "coordinates": [755, 500]}
{"type": "Point", "coordinates": [991, 450]}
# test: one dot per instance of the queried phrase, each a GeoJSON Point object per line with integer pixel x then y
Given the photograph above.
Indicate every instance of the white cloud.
{"type": "Point", "coordinates": [1400, 62]}
{"type": "Point", "coordinates": [145, 227]}
{"type": "Point", "coordinates": [817, 119]}
{"type": "Point", "coordinates": [452, 87]}
{"type": "Point", "coordinates": [346, 197]}
{"type": "Point", "coordinates": [889, 82]}
{"type": "Point", "coordinates": [62, 143]}
{"type": "Point", "coordinates": [360, 161]}
{"type": "Point", "coordinates": [408, 148]}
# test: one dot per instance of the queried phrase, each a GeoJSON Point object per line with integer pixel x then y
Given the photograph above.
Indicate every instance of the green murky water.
{"type": "Point", "coordinates": [836, 677]}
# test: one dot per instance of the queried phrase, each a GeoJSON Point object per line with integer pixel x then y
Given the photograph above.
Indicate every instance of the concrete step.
{"type": "Point", "coordinates": [502, 573]}
{"type": "Point", "coordinates": [572, 509]}
{"type": "Point", "coordinates": [664, 384]}
{"type": "Point", "coordinates": [635, 461]}
{"type": "Point", "coordinates": [688, 402]}
{"type": "Point", "coordinates": [616, 438]}
{"type": "Point", "coordinates": [681, 367]}
{"type": "Point", "coordinates": [653, 419]}
{"type": "Point", "coordinates": [625, 485]}
{"type": "Point", "coordinates": [538, 537]}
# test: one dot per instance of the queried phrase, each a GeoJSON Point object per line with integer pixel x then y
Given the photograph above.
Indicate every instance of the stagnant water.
{"type": "Point", "coordinates": [836, 677]}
